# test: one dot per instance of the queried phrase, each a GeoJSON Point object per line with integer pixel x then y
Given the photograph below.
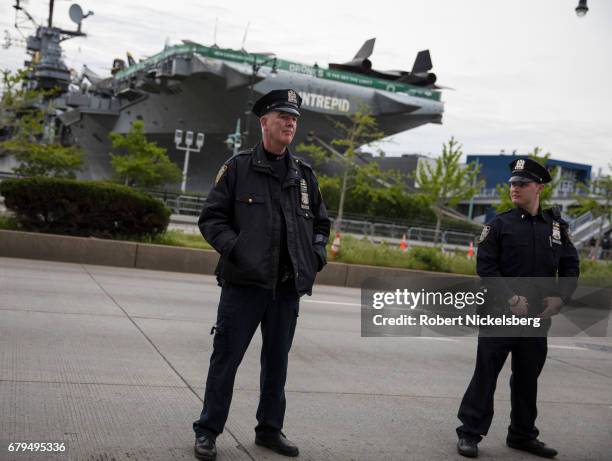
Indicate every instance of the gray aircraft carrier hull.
{"type": "Point", "coordinates": [201, 103]}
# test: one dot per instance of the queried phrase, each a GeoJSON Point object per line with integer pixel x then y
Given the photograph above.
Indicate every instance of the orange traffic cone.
{"type": "Point", "coordinates": [335, 248]}
{"type": "Point", "coordinates": [404, 244]}
{"type": "Point", "coordinates": [470, 253]}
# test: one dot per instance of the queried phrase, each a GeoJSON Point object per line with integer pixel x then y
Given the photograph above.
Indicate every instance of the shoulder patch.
{"type": "Point", "coordinates": [220, 174]}
{"type": "Point", "coordinates": [484, 233]}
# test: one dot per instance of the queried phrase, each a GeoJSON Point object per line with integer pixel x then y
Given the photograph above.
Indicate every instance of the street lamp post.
{"type": "Point", "coordinates": [582, 8]}
{"type": "Point", "coordinates": [234, 140]}
{"type": "Point", "coordinates": [255, 69]}
{"type": "Point", "coordinates": [199, 142]}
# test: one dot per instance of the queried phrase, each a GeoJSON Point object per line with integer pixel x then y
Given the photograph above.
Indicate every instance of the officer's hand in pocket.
{"type": "Point", "coordinates": [321, 260]}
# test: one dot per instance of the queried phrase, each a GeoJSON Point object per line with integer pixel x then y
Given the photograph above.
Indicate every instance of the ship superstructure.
{"type": "Point", "coordinates": [207, 89]}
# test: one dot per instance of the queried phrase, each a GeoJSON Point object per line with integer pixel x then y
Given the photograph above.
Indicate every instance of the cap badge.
{"type": "Point", "coordinates": [292, 96]}
{"type": "Point", "coordinates": [520, 165]}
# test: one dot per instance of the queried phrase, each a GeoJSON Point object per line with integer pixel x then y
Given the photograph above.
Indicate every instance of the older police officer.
{"type": "Point", "coordinates": [523, 244]}
{"type": "Point", "coordinates": [266, 218]}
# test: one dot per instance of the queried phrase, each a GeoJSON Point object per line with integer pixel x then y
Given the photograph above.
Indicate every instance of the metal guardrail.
{"type": "Point", "coordinates": [590, 229]}
{"type": "Point", "coordinates": [181, 204]}
{"type": "Point", "coordinates": [192, 206]}
{"type": "Point", "coordinates": [580, 220]}
{"type": "Point", "coordinates": [8, 175]}
{"type": "Point", "coordinates": [189, 205]}
{"type": "Point", "coordinates": [588, 253]}
{"type": "Point", "coordinates": [492, 192]}
{"type": "Point", "coordinates": [415, 233]}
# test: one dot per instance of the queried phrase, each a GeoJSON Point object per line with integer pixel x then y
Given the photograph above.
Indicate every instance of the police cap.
{"type": "Point", "coordinates": [527, 170]}
{"type": "Point", "coordinates": [278, 100]}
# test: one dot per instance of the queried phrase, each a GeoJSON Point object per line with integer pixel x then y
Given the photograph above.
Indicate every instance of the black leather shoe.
{"type": "Point", "coordinates": [277, 442]}
{"type": "Point", "coordinates": [467, 448]}
{"type": "Point", "coordinates": [205, 448]}
{"type": "Point", "coordinates": [535, 447]}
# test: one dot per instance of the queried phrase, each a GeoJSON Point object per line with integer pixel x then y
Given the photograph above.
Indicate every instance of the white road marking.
{"type": "Point", "coordinates": [435, 338]}
{"type": "Point", "coordinates": [330, 302]}
{"type": "Point", "coordinates": [573, 348]}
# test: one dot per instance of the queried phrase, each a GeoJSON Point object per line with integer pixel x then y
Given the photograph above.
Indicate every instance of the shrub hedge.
{"type": "Point", "coordinates": [84, 208]}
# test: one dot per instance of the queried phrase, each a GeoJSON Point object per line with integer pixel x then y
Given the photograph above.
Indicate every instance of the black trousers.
{"type": "Point", "coordinates": [241, 310]}
{"type": "Point", "coordinates": [476, 410]}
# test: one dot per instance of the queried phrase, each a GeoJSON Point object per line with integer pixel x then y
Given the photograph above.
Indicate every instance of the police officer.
{"type": "Point", "coordinates": [524, 242]}
{"type": "Point", "coordinates": [266, 218]}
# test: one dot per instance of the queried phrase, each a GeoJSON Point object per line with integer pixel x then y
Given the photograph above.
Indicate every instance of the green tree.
{"type": "Point", "coordinates": [598, 200]}
{"type": "Point", "coordinates": [392, 202]}
{"type": "Point", "coordinates": [503, 190]}
{"type": "Point", "coordinates": [141, 163]}
{"type": "Point", "coordinates": [445, 183]}
{"type": "Point", "coordinates": [361, 128]}
{"type": "Point", "coordinates": [27, 118]}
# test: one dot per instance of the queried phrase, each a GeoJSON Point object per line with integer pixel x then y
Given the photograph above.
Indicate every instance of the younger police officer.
{"type": "Point", "coordinates": [266, 218]}
{"type": "Point", "coordinates": [524, 244]}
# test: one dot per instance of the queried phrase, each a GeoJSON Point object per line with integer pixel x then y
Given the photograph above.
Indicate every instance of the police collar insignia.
{"type": "Point", "coordinates": [304, 194]}
{"type": "Point", "coordinates": [556, 233]}
{"type": "Point", "coordinates": [520, 164]}
{"type": "Point", "coordinates": [292, 96]}
{"type": "Point", "coordinates": [485, 232]}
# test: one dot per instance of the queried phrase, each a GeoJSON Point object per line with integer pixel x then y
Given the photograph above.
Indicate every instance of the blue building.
{"type": "Point", "coordinates": [494, 170]}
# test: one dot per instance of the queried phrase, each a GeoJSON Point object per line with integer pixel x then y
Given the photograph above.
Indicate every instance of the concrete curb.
{"type": "Point", "coordinates": [50, 247]}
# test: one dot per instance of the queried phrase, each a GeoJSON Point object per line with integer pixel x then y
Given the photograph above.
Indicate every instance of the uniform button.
{"type": "Point", "coordinates": [250, 200]}
{"type": "Point", "coordinates": [297, 274]}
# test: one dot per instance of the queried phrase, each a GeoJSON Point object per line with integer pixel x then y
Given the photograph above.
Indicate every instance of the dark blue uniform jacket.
{"type": "Point", "coordinates": [534, 254]}
{"type": "Point", "coordinates": [241, 220]}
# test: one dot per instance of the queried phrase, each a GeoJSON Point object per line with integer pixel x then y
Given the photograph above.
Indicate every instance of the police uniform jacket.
{"type": "Point", "coordinates": [534, 254]}
{"type": "Point", "coordinates": [240, 219]}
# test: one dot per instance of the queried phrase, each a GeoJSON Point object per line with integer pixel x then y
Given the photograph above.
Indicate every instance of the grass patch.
{"type": "Point", "coordinates": [361, 251]}
{"type": "Point", "coordinates": [174, 238]}
{"type": "Point", "coordinates": [595, 273]}
{"type": "Point", "coordinates": [181, 239]}
{"type": "Point", "coordinates": [358, 251]}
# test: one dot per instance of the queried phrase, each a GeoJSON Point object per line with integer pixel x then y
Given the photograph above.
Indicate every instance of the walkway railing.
{"type": "Point", "coordinates": [414, 233]}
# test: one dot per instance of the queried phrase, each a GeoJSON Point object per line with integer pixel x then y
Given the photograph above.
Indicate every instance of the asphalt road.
{"type": "Point", "coordinates": [113, 361]}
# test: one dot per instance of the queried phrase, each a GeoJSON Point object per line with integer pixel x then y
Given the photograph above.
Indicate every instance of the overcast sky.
{"type": "Point", "coordinates": [525, 73]}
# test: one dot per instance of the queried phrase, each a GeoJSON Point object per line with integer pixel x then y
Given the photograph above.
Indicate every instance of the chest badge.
{"type": "Point", "coordinates": [556, 233]}
{"type": "Point", "coordinates": [305, 204]}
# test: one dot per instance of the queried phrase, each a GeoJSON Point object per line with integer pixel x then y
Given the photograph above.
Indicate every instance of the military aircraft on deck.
{"type": "Point", "coordinates": [207, 89]}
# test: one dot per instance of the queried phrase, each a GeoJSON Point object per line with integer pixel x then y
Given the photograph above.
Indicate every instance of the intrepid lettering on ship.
{"type": "Point", "coordinates": [319, 101]}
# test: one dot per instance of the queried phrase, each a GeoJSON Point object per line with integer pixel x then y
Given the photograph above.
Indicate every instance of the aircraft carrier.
{"type": "Point", "coordinates": [206, 89]}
